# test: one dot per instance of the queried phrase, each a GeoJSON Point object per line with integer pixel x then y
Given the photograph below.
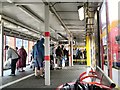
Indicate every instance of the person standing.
{"type": "Point", "coordinates": [59, 54]}
{"type": "Point", "coordinates": [84, 52]}
{"type": "Point", "coordinates": [11, 53]}
{"type": "Point", "coordinates": [39, 57]}
{"type": "Point", "coordinates": [21, 63]}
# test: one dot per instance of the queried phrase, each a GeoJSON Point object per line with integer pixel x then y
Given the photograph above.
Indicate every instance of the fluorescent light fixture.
{"type": "Point", "coordinates": [10, 1]}
{"type": "Point", "coordinates": [98, 8]}
{"type": "Point", "coordinates": [81, 13]}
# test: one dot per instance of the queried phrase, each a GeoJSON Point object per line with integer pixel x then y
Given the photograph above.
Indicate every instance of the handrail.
{"type": "Point", "coordinates": [105, 78]}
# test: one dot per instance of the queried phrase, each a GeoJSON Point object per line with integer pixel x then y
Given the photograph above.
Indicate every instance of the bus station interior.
{"type": "Point", "coordinates": [59, 22]}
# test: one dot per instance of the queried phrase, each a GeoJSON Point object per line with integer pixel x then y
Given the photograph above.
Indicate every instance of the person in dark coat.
{"type": "Point", "coordinates": [21, 63]}
{"type": "Point", "coordinates": [59, 54]}
{"type": "Point", "coordinates": [39, 57]}
{"type": "Point", "coordinates": [84, 52]}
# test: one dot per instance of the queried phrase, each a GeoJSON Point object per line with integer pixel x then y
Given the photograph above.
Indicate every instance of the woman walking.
{"type": "Point", "coordinates": [21, 63]}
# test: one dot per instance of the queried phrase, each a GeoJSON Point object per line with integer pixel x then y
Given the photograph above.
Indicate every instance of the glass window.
{"type": "Point", "coordinates": [25, 44]}
{"type": "Point", "coordinates": [31, 43]}
{"type": "Point", "coordinates": [10, 41]}
{"type": "Point", "coordinates": [18, 43]}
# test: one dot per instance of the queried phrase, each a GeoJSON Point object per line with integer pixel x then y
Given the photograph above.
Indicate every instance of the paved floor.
{"type": "Point", "coordinates": [58, 77]}
{"type": "Point", "coordinates": [6, 78]}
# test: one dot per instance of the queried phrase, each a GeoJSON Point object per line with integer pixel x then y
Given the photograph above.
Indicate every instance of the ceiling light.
{"type": "Point", "coordinates": [98, 8]}
{"type": "Point", "coordinates": [10, 1]}
{"type": "Point", "coordinates": [81, 13]}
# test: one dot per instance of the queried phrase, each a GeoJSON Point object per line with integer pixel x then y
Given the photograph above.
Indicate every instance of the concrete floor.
{"type": "Point", "coordinates": [58, 77]}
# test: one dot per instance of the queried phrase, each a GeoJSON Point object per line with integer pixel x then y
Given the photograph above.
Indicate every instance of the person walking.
{"type": "Point", "coordinates": [21, 63]}
{"type": "Point", "coordinates": [59, 54]}
{"type": "Point", "coordinates": [39, 57]}
{"type": "Point", "coordinates": [11, 53]}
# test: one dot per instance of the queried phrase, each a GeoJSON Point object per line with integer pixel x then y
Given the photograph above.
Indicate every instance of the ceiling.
{"type": "Point", "coordinates": [28, 17]}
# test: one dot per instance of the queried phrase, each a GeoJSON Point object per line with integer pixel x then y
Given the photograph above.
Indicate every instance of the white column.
{"type": "Point", "coordinates": [72, 51]}
{"type": "Point", "coordinates": [54, 55]}
{"type": "Point", "coordinates": [47, 46]}
{"type": "Point", "coordinates": [1, 46]}
{"type": "Point", "coordinates": [55, 50]}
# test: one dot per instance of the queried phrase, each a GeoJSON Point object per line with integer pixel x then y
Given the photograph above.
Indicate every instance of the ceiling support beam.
{"type": "Point", "coordinates": [70, 20]}
{"type": "Point", "coordinates": [52, 9]}
{"type": "Point", "coordinates": [62, 36]}
{"type": "Point", "coordinates": [67, 11]}
{"type": "Point", "coordinates": [18, 23]}
{"type": "Point", "coordinates": [14, 33]}
{"type": "Point", "coordinates": [33, 15]}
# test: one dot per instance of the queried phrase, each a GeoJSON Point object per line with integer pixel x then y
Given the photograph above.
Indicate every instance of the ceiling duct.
{"type": "Point", "coordinates": [62, 36]}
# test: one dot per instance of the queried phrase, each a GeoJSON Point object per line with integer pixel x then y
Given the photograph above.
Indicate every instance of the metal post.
{"type": "Point", "coordinates": [47, 46]}
{"type": "Point", "coordinates": [55, 51]}
{"type": "Point", "coordinates": [69, 52]}
{"type": "Point", "coordinates": [72, 51]}
{"type": "Point", "coordinates": [88, 50]}
{"type": "Point", "coordinates": [98, 40]}
{"type": "Point", "coordinates": [1, 46]}
{"type": "Point", "coordinates": [109, 65]}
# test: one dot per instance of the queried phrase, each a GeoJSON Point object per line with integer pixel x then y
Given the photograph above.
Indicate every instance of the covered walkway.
{"type": "Point", "coordinates": [86, 26]}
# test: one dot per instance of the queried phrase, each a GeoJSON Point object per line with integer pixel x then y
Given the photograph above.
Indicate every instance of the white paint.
{"type": "Point", "coordinates": [13, 82]}
{"type": "Point", "coordinates": [72, 50]}
{"type": "Point", "coordinates": [47, 72]}
{"type": "Point", "coordinates": [47, 46]}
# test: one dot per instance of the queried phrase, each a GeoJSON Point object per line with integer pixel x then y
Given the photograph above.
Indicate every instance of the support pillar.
{"type": "Point", "coordinates": [47, 46]}
{"type": "Point", "coordinates": [70, 51]}
{"type": "Point", "coordinates": [109, 59]}
{"type": "Point", "coordinates": [1, 45]}
{"type": "Point", "coordinates": [88, 50]}
{"type": "Point", "coordinates": [55, 51]}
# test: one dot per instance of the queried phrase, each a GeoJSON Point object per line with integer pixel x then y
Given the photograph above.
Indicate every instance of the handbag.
{"type": "Point", "coordinates": [7, 64]}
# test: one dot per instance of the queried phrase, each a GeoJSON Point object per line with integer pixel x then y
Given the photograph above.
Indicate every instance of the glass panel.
{"type": "Point", "coordinates": [10, 41]}
{"type": "Point", "coordinates": [18, 43]}
{"type": "Point", "coordinates": [25, 44]}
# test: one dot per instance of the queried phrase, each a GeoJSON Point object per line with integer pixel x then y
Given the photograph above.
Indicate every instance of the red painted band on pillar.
{"type": "Point", "coordinates": [69, 55]}
{"type": "Point", "coordinates": [47, 34]}
{"type": "Point", "coordinates": [47, 58]}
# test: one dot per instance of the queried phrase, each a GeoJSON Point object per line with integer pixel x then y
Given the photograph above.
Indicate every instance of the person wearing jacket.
{"type": "Point", "coordinates": [22, 61]}
{"type": "Point", "coordinates": [39, 56]}
{"type": "Point", "coordinates": [59, 54]}
{"type": "Point", "coordinates": [11, 53]}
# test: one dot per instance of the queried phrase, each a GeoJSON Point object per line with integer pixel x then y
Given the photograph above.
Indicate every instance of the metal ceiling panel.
{"type": "Point", "coordinates": [69, 15]}
{"type": "Point", "coordinates": [19, 15]}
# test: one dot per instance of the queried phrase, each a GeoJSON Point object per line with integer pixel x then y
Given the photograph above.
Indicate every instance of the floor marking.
{"type": "Point", "coordinates": [18, 80]}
